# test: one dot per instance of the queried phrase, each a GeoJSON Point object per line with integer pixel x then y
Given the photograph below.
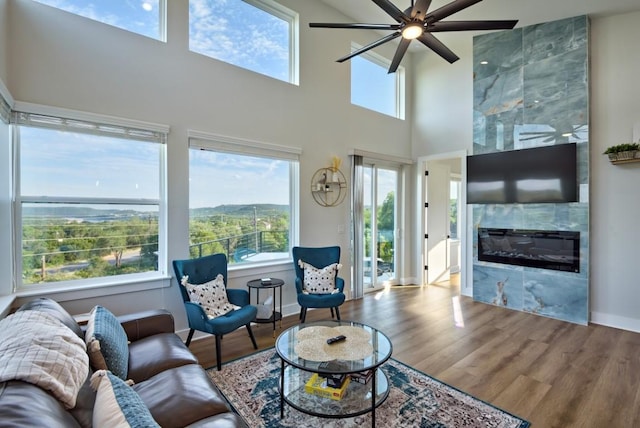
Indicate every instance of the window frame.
{"type": "Point", "coordinates": [400, 82]}
{"type": "Point", "coordinates": [281, 12]}
{"type": "Point", "coordinates": [224, 144]}
{"type": "Point", "coordinates": [17, 200]}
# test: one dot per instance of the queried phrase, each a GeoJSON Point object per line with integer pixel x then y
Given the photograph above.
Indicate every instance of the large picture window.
{"type": "Point", "coordinates": [259, 35]}
{"type": "Point", "coordinates": [145, 17]}
{"type": "Point", "coordinates": [89, 200]}
{"type": "Point", "coordinates": [372, 87]}
{"type": "Point", "coordinates": [242, 201]}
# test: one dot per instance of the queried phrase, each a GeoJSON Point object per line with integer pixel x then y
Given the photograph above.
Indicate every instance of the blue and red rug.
{"type": "Point", "coordinates": [415, 399]}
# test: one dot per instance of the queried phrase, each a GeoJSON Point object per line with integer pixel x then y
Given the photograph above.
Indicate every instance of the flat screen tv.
{"type": "Point", "coordinates": [529, 176]}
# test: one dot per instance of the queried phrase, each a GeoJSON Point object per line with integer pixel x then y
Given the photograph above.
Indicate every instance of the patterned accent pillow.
{"type": "Point", "coordinates": [107, 343]}
{"type": "Point", "coordinates": [319, 281]}
{"type": "Point", "coordinates": [212, 296]}
{"type": "Point", "coordinates": [117, 404]}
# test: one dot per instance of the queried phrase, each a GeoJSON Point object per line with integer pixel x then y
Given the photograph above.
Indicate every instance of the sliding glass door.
{"type": "Point", "coordinates": [380, 190]}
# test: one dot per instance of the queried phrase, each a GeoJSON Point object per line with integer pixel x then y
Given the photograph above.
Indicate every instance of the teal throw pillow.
{"type": "Point", "coordinates": [107, 343]}
{"type": "Point", "coordinates": [117, 404]}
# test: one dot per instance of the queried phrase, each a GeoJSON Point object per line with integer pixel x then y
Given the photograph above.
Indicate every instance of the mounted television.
{"type": "Point", "coordinates": [529, 176]}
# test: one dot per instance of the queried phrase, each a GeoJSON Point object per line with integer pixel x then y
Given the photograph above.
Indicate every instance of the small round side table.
{"type": "Point", "coordinates": [271, 283]}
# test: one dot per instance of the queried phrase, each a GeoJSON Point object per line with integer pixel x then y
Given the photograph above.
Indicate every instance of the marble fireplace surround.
{"type": "Point", "coordinates": [531, 89]}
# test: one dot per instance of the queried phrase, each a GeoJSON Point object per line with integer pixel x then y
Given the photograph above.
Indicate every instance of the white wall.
{"type": "Point", "coordinates": [615, 201]}
{"type": "Point", "coordinates": [63, 60]}
{"type": "Point", "coordinates": [443, 103]}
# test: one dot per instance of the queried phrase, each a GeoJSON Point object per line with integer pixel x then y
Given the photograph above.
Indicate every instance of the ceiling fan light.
{"type": "Point", "coordinates": [412, 31]}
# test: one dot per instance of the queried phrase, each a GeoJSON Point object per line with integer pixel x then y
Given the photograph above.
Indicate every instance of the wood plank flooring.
{"type": "Point", "coordinates": [552, 373]}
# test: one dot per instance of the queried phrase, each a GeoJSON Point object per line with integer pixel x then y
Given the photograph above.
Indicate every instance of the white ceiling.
{"type": "Point", "coordinates": [527, 12]}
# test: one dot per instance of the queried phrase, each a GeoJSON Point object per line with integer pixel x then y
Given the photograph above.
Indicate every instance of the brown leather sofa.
{"type": "Point", "coordinates": [167, 376]}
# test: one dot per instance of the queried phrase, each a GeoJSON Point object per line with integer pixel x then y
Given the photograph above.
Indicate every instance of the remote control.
{"type": "Point", "coordinates": [336, 339]}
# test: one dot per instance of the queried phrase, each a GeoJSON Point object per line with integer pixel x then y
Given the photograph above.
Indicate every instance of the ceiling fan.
{"type": "Point", "coordinates": [417, 23]}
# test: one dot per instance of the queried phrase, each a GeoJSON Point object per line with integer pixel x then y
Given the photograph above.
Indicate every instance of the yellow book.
{"type": "Point", "coordinates": [318, 386]}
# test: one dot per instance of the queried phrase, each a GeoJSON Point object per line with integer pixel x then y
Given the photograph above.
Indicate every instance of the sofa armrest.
{"type": "Point", "coordinates": [143, 324]}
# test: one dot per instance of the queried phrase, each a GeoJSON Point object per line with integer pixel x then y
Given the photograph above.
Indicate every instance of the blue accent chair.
{"type": "Point", "coordinates": [205, 269]}
{"type": "Point", "coordinates": [319, 257]}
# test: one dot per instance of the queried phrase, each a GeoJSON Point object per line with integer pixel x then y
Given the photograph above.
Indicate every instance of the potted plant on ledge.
{"type": "Point", "coordinates": [623, 151]}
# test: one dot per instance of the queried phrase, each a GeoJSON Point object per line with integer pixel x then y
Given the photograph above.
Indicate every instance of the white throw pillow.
{"type": "Point", "coordinates": [319, 281]}
{"type": "Point", "coordinates": [212, 296]}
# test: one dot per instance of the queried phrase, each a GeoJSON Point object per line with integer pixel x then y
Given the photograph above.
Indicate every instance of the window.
{"type": "Point", "coordinates": [454, 206]}
{"type": "Point", "coordinates": [259, 35]}
{"type": "Point", "coordinates": [81, 212]}
{"type": "Point", "coordinates": [372, 87]}
{"type": "Point", "coordinates": [243, 200]}
{"type": "Point", "coordinates": [145, 17]}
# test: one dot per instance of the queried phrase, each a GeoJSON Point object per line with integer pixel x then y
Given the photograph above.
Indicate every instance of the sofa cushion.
{"type": "Point", "coordinates": [107, 343]}
{"type": "Point", "coordinates": [181, 396]}
{"type": "Point", "coordinates": [83, 410]}
{"type": "Point", "coordinates": [117, 404]}
{"type": "Point", "coordinates": [154, 354]}
{"type": "Point", "coordinates": [25, 405]}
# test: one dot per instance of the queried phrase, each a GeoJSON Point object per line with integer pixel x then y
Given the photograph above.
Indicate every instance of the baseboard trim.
{"type": "Point", "coordinates": [616, 321]}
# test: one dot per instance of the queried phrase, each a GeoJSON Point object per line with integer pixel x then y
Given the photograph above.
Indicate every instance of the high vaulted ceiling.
{"type": "Point", "coordinates": [528, 12]}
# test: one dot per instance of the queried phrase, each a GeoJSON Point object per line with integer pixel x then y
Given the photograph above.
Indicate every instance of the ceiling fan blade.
{"type": "Point", "coordinates": [355, 26]}
{"type": "Point", "coordinates": [438, 47]}
{"type": "Point", "coordinates": [392, 11]}
{"type": "Point", "coordinates": [402, 48]}
{"type": "Point", "coordinates": [419, 10]}
{"type": "Point", "coordinates": [369, 46]}
{"type": "Point", "coordinates": [449, 9]}
{"type": "Point", "coordinates": [471, 25]}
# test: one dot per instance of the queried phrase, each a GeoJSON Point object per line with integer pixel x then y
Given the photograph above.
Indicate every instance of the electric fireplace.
{"type": "Point", "coordinates": [545, 249]}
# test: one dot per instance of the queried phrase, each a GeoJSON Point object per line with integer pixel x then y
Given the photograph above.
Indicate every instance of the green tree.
{"type": "Point", "coordinates": [386, 227]}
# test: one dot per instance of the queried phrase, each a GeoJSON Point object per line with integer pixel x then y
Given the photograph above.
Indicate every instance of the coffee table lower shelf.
{"type": "Point", "coordinates": [358, 399]}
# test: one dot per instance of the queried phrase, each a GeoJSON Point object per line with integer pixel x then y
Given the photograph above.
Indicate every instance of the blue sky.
{"type": "Point", "coordinates": [55, 163]}
{"type": "Point", "coordinates": [220, 178]}
{"type": "Point", "coordinates": [141, 16]}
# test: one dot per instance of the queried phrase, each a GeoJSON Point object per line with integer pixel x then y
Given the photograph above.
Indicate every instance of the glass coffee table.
{"type": "Point", "coordinates": [304, 352]}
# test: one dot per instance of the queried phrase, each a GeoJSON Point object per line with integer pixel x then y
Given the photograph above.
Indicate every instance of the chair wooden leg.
{"type": "Point", "coordinates": [331, 313]}
{"type": "Point", "coordinates": [338, 313]}
{"type": "Point", "coordinates": [218, 353]}
{"type": "Point", "coordinates": [189, 337]}
{"type": "Point", "coordinates": [253, 339]}
{"type": "Point", "coordinates": [304, 315]}
{"type": "Point", "coordinates": [301, 311]}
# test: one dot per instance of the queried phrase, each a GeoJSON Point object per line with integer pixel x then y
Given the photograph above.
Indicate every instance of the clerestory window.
{"type": "Point", "coordinates": [145, 17]}
{"type": "Point", "coordinates": [258, 35]}
{"type": "Point", "coordinates": [372, 87]}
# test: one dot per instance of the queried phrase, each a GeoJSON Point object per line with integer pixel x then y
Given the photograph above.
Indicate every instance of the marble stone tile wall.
{"type": "Point", "coordinates": [531, 89]}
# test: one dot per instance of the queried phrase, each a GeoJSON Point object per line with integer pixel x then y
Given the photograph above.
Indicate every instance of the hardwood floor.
{"type": "Point", "coordinates": [552, 373]}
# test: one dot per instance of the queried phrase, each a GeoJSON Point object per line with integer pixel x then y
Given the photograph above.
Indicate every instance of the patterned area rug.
{"type": "Point", "coordinates": [250, 384]}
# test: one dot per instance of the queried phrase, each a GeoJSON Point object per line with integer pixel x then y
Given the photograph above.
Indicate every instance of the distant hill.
{"type": "Point", "coordinates": [75, 212]}
{"type": "Point", "coordinates": [261, 210]}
